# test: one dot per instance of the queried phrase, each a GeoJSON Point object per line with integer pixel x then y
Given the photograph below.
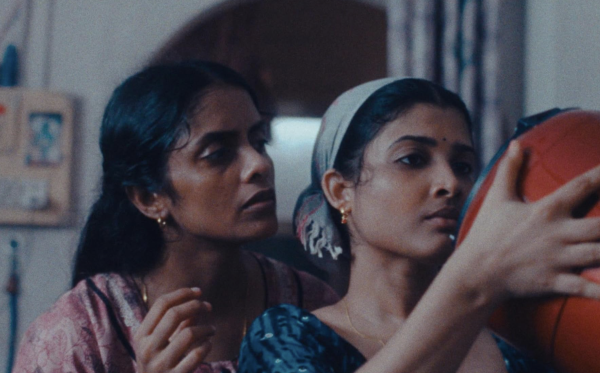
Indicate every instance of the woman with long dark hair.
{"type": "Point", "coordinates": [392, 167]}
{"type": "Point", "coordinates": [160, 281]}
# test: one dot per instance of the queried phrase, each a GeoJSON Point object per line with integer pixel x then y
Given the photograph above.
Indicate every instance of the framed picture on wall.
{"type": "Point", "coordinates": [44, 145]}
{"type": "Point", "coordinates": [35, 163]}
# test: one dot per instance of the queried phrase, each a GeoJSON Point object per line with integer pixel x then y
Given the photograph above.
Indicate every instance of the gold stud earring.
{"type": "Point", "coordinates": [161, 223]}
{"type": "Point", "coordinates": [344, 215]}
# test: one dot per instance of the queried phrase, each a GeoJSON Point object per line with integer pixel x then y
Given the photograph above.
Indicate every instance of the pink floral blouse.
{"type": "Point", "coordinates": [90, 328]}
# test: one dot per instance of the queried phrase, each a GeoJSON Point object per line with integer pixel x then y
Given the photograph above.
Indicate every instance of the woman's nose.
{"type": "Point", "coordinates": [258, 165]}
{"type": "Point", "coordinates": [446, 183]}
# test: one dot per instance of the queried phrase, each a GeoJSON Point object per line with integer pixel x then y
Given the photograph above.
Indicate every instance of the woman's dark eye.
{"type": "Point", "coordinates": [220, 155]}
{"type": "Point", "coordinates": [260, 144]}
{"type": "Point", "coordinates": [463, 168]}
{"type": "Point", "coordinates": [413, 160]}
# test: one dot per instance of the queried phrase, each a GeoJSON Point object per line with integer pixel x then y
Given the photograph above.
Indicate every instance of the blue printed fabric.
{"type": "Point", "coordinates": [286, 339]}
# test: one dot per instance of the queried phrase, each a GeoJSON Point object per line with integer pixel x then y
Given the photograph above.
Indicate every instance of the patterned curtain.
{"type": "Point", "coordinates": [453, 43]}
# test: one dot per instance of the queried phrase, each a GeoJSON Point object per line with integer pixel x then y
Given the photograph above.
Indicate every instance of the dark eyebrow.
{"type": "Point", "coordinates": [217, 136]}
{"type": "Point", "coordinates": [458, 147]}
{"type": "Point", "coordinates": [223, 136]}
{"type": "Point", "coordinates": [462, 148]}
{"type": "Point", "coordinates": [259, 125]}
{"type": "Point", "coordinates": [420, 139]}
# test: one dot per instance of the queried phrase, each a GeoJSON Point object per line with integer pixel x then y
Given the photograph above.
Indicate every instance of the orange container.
{"type": "Point", "coordinates": [562, 331]}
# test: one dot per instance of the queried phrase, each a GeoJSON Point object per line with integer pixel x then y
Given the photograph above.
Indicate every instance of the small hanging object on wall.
{"type": "Point", "coordinates": [12, 288]}
{"type": "Point", "coordinates": [9, 70]}
{"type": "Point", "coordinates": [36, 136]}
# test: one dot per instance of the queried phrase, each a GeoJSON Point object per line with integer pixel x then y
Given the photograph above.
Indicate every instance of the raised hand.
{"type": "Point", "coordinates": [528, 249]}
{"type": "Point", "coordinates": [172, 337]}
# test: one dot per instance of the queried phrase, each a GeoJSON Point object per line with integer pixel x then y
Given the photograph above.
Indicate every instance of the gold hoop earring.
{"type": "Point", "coordinates": [344, 215]}
{"type": "Point", "coordinates": [161, 223]}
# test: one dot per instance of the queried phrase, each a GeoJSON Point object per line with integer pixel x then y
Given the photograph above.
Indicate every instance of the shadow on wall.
{"type": "Point", "coordinates": [298, 55]}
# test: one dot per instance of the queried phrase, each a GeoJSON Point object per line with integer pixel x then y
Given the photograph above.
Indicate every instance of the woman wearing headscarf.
{"type": "Point", "coordinates": [391, 169]}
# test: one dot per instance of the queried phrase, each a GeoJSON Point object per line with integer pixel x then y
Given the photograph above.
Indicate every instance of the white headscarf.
{"type": "Point", "coordinates": [312, 220]}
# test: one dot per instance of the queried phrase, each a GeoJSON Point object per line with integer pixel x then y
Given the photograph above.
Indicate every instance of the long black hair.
{"type": "Point", "coordinates": [383, 106]}
{"type": "Point", "coordinates": [144, 118]}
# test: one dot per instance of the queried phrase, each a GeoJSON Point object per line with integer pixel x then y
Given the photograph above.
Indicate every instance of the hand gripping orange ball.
{"type": "Point", "coordinates": [562, 331]}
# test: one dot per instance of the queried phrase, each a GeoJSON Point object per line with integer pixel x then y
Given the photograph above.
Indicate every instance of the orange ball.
{"type": "Point", "coordinates": [562, 331]}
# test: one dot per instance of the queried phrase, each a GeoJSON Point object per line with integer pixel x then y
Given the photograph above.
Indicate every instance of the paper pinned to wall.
{"type": "Point", "coordinates": [36, 132]}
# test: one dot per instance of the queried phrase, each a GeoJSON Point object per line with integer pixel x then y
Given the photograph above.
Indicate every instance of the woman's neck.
{"type": "Point", "coordinates": [216, 269]}
{"type": "Point", "coordinates": [385, 287]}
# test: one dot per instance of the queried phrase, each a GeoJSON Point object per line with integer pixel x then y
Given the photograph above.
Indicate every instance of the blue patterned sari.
{"type": "Point", "coordinates": [289, 339]}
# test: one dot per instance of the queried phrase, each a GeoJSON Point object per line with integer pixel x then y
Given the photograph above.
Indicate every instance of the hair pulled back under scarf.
{"type": "Point", "coordinates": [348, 126]}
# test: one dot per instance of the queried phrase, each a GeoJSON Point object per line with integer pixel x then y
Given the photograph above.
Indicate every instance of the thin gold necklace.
{"type": "Point", "coordinates": [364, 336]}
{"type": "Point", "coordinates": [144, 294]}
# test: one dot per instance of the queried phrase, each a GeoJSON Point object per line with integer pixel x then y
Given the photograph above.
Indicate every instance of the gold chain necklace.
{"type": "Point", "coordinates": [364, 336]}
{"type": "Point", "coordinates": [144, 293]}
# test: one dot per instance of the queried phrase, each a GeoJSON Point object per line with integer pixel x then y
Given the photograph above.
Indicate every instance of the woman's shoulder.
{"type": "Point", "coordinates": [100, 295]}
{"type": "Point", "coordinates": [289, 314]}
{"type": "Point", "coordinates": [282, 324]}
{"type": "Point", "coordinates": [287, 322]}
{"type": "Point", "coordinates": [79, 306]}
{"type": "Point", "coordinates": [73, 307]}
{"type": "Point", "coordinates": [79, 320]}
{"type": "Point", "coordinates": [289, 338]}
{"type": "Point", "coordinates": [286, 284]}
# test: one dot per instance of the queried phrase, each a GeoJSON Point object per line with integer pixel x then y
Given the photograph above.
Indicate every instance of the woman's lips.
{"type": "Point", "coordinates": [444, 219]}
{"type": "Point", "coordinates": [264, 199]}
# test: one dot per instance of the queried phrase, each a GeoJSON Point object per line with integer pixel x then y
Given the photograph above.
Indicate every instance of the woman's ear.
{"type": "Point", "coordinates": [338, 191]}
{"type": "Point", "coordinates": [150, 204]}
